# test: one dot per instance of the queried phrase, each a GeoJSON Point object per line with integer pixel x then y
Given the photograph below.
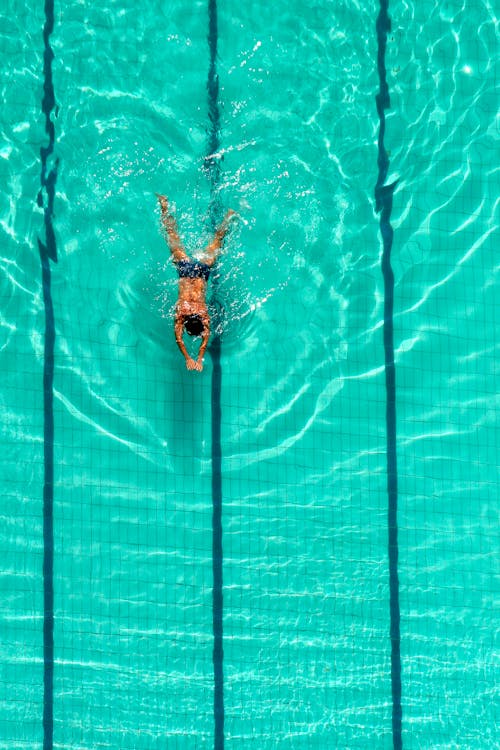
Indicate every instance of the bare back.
{"type": "Point", "coordinates": [191, 299]}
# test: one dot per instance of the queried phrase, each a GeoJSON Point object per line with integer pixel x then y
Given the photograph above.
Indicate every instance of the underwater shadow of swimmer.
{"type": "Point", "coordinates": [178, 395]}
{"type": "Point", "coordinates": [186, 413]}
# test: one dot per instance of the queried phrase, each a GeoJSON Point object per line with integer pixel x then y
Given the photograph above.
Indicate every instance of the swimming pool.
{"type": "Point", "coordinates": [121, 543]}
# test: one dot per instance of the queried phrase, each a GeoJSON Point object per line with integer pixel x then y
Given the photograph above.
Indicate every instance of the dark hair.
{"type": "Point", "coordinates": [193, 325]}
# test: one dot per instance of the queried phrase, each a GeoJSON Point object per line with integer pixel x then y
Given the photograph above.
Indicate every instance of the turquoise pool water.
{"type": "Point", "coordinates": [306, 610]}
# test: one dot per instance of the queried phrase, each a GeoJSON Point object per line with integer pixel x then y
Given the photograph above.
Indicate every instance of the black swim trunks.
{"type": "Point", "coordinates": [192, 269]}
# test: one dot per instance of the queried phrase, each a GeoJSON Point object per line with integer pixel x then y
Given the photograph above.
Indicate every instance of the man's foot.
{"type": "Point", "coordinates": [227, 221]}
{"type": "Point", "coordinates": [162, 199]}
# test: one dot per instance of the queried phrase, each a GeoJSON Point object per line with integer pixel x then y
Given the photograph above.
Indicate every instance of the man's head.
{"type": "Point", "coordinates": [194, 325]}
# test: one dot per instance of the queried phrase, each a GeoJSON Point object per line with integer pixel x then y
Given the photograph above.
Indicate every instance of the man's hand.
{"type": "Point", "coordinates": [191, 364]}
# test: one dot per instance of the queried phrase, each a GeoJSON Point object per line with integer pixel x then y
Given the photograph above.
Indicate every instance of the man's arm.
{"type": "Point", "coordinates": [190, 362]}
{"type": "Point", "coordinates": [203, 346]}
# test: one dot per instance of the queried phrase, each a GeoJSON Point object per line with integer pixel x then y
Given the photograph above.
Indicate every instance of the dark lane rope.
{"type": "Point", "coordinates": [48, 252]}
{"type": "Point", "coordinates": [383, 201]}
{"type": "Point", "coordinates": [212, 169]}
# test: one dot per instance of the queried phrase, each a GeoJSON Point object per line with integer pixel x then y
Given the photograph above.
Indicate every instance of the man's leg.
{"type": "Point", "coordinates": [170, 226]}
{"type": "Point", "coordinates": [213, 249]}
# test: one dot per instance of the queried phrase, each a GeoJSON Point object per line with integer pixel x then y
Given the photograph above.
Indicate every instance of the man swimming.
{"type": "Point", "coordinates": [191, 312]}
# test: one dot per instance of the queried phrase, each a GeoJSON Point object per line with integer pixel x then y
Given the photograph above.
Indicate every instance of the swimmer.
{"type": "Point", "coordinates": [191, 313]}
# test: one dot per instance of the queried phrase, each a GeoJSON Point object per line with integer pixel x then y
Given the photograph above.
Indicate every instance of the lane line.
{"type": "Point", "coordinates": [213, 172]}
{"type": "Point", "coordinates": [48, 252]}
{"type": "Point", "coordinates": [383, 205]}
